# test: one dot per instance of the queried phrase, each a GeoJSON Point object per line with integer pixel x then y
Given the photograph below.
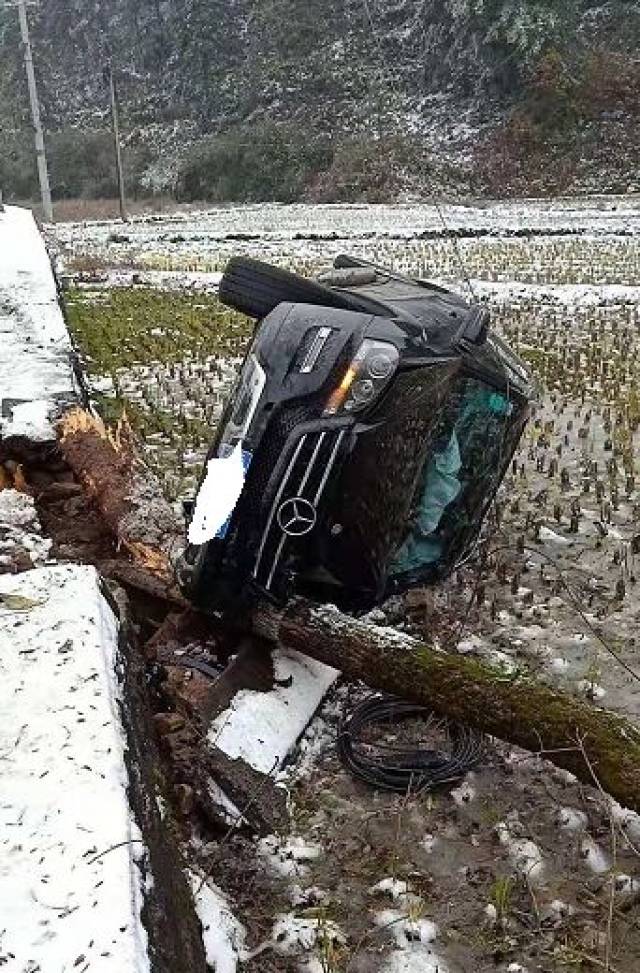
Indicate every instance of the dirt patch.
{"type": "Point", "coordinates": [512, 867]}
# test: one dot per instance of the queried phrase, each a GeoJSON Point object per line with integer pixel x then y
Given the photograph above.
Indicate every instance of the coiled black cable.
{"type": "Point", "coordinates": [406, 771]}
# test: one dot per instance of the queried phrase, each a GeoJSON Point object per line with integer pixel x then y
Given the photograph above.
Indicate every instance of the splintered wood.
{"type": "Point", "coordinates": [124, 490]}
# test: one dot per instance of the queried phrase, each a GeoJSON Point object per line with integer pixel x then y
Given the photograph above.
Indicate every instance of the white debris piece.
{"type": "Point", "coordinates": [288, 857]}
{"type": "Point", "coordinates": [591, 689]}
{"type": "Point", "coordinates": [417, 959]}
{"type": "Point", "coordinates": [293, 935]}
{"type": "Point", "coordinates": [218, 496]}
{"type": "Point", "coordinates": [472, 645]}
{"type": "Point", "coordinates": [593, 855]}
{"type": "Point", "coordinates": [229, 813]}
{"type": "Point", "coordinates": [36, 375]}
{"type": "Point", "coordinates": [465, 792]}
{"type": "Point", "coordinates": [524, 854]}
{"type": "Point", "coordinates": [223, 935]}
{"type": "Point", "coordinates": [491, 914]}
{"type": "Point", "coordinates": [546, 534]}
{"type": "Point", "coordinates": [628, 821]}
{"type": "Point", "coordinates": [413, 937]}
{"type": "Point", "coordinates": [557, 910]}
{"type": "Point", "coordinates": [71, 891]}
{"type": "Point", "coordinates": [393, 887]}
{"type": "Point", "coordinates": [307, 897]}
{"type": "Point", "coordinates": [404, 928]}
{"type": "Point", "coordinates": [626, 883]}
{"type": "Point", "coordinates": [262, 727]}
{"type": "Point", "coordinates": [571, 819]}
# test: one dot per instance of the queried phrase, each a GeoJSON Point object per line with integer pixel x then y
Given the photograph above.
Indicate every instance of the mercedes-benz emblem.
{"type": "Point", "coordinates": [297, 517]}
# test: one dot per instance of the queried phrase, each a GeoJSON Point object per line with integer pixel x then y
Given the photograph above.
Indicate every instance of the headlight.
{"type": "Point", "coordinates": [245, 402]}
{"type": "Point", "coordinates": [369, 372]}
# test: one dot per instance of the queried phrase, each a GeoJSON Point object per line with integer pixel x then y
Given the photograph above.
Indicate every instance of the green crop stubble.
{"type": "Point", "coordinates": [157, 348]}
{"type": "Point", "coordinates": [126, 326]}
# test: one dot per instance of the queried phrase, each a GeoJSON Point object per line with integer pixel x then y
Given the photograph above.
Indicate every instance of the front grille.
{"type": "Point", "coordinates": [304, 477]}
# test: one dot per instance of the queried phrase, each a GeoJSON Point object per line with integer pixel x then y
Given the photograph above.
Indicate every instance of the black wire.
{"type": "Point", "coordinates": [406, 771]}
{"type": "Point", "coordinates": [199, 664]}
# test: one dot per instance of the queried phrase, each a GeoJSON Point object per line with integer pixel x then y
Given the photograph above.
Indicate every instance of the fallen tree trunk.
{"type": "Point", "coordinates": [598, 746]}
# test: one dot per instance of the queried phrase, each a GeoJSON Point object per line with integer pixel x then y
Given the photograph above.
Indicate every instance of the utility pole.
{"type": "Point", "coordinates": [116, 139]}
{"type": "Point", "coordinates": [41, 156]}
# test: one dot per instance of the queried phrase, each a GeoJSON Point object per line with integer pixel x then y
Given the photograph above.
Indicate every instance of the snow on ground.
{"type": "Point", "coordinates": [524, 854]}
{"type": "Point", "coordinates": [222, 933]}
{"type": "Point", "coordinates": [35, 363]}
{"type": "Point", "coordinates": [70, 887]}
{"type": "Point", "coordinates": [416, 238]}
{"type": "Point", "coordinates": [160, 280]}
{"type": "Point", "coordinates": [563, 295]}
{"type": "Point", "coordinates": [520, 832]}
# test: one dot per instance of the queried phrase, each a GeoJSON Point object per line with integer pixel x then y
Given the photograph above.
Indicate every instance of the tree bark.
{"type": "Point", "coordinates": [125, 491]}
{"type": "Point", "coordinates": [596, 745]}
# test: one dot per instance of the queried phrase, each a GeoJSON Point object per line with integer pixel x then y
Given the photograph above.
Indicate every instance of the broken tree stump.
{"type": "Point", "coordinates": [598, 746]}
{"type": "Point", "coordinates": [125, 491]}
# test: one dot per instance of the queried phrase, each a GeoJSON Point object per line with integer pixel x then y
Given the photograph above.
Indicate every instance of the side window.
{"type": "Point", "coordinates": [461, 473]}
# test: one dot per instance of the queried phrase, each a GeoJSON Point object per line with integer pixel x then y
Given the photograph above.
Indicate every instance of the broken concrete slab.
{"type": "Point", "coordinates": [262, 728]}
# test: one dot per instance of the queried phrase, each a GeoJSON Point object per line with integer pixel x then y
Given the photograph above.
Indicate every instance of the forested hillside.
{"type": "Point", "coordinates": [336, 99]}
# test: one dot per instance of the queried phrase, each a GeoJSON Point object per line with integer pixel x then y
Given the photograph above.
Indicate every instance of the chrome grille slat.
{"type": "Point", "coordinates": [276, 560]}
{"type": "Point", "coordinates": [327, 472]}
{"type": "Point", "coordinates": [276, 503]}
{"type": "Point", "coordinates": [287, 480]}
{"type": "Point", "coordinates": [312, 463]}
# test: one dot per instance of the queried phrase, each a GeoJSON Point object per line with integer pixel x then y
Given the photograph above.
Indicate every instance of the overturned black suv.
{"type": "Point", "coordinates": [370, 427]}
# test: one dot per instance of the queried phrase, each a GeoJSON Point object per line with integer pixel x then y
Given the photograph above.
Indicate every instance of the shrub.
{"type": "Point", "coordinates": [371, 170]}
{"type": "Point", "coordinates": [18, 176]}
{"type": "Point", "coordinates": [267, 161]}
{"type": "Point", "coordinates": [551, 99]}
{"type": "Point", "coordinates": [562, 127]}
{"type": "Point", "coordinates": [611, 83]}
{"type": "Point", "coordinates": [82, 165]}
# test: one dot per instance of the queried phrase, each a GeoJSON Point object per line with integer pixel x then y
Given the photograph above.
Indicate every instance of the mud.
{"type": "Point", "coordinates": [492, 907]}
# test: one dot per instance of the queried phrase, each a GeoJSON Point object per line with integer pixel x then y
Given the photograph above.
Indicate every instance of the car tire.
{"type": "Point", "coordinates": [256, 288]}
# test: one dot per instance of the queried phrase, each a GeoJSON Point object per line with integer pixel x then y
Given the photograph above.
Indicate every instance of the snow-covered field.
{"type": "Point", "coordinates": [604, 215]}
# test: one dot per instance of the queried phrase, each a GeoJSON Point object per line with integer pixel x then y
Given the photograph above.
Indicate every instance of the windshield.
{"type": "Point", "coordinates": [472, 442]}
